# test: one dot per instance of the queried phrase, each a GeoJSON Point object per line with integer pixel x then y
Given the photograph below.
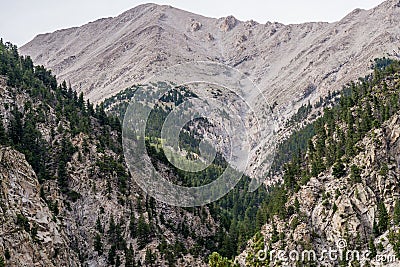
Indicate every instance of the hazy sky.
{"type": "Point", "coordinates": [21, 20]}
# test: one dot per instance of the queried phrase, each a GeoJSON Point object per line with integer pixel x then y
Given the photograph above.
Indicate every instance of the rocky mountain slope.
{"type": "Point", "coordinates": [331, 209]}
{"type": "Point", "coordinates": [288, 62]}
{"type": "Point", "coordinates": [68, 200]}
{"type": "Point", "coordinates": [350, 202]}
{"type": "Point", "coordinates": [28, 232]}
{"type": "Point", "coordinates": [66, 197]}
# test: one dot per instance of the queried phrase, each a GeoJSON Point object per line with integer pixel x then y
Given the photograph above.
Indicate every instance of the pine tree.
{"type": "Point", "coordinates": [132, 226]}
{"type": "Point", "coordinates": [311, 149]}
{"type": "Point", "coordinates": [372, 248]}
{"type": "Point", "coordinates": [111, 229]}
{"type": "Point", "coordinates": [355, 174]}
{"type": "Point", "coordinates": [296, 204]}
{"type": "Point", "coordinates": [101, 114]}
{"type": "Point", "coordinates": [70, 93]}
{"type": "Point", "coordinates": [15, 128]}
{"type": "Point", "coordinates": [66, 153]}
{"type": "Point", "coordinates": [3, 134]}
{"type": "Point", "coordinates": [62, 176]}
{"type": "Point", "coordinates": [275, 234]}
{"type": "Point", "coordinates": [366, 118]}
{"type": "Point", "coordinates": [317, 166]}
{"type": "Point", "coordinates": [119, 239]}
{"type": "Point", "coordinates": [143, 232]}
{"type": "Point", "coordinates": [117, 261]}
{"type": "Point", "coordinates": [338, 170]}
{"type": "Point", "coordinates": [111, 254]}
{"type": "Point", "coordinates": [98, 245]}
{"type": "Point", "coordinates": [383, 219]}
{"type": "Point", "coordinates": [99, 226]}
{"type": "Point", "coordinates": [260, 219]}
{"type": "Point", "coordinates": [129, 257]}
{"type": "Point", "coordinates": [63, 87]}
{"type": "Point", "coordinates": [396, 213]}
{"type": "Point", "coordinates": [89, 108]}
{"type": "Point", "coordinates": [375, 229]}
{"type": "Point", "coordinates": [334, 207]}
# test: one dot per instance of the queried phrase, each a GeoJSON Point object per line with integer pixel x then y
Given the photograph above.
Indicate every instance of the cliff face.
{"type": "Point", "coordinates": [285, 61]}
{"type": "Point", "coordinates": [32, 234]}
{"type": "Point", "coordinates": [29, 232]}
{"type": "Point", "coordinates": [329, 209]}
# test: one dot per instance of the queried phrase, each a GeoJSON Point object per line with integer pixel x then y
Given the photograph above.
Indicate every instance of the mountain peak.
{"type": "Point", "coordinates": [151, 8]}
{"type": "Point", "coordinates": [141, 10]}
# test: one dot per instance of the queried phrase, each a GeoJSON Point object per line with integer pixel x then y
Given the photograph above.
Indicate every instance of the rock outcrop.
{"type": "Point", "coordinates": [228, 23]}
{"type": "Point", "coordinates": [28, 232]}
{"type": "Point", "coordinates": [195, 26]}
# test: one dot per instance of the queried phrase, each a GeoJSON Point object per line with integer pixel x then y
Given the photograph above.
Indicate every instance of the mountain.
{"type": "Point", "coordinates": [68, 199]}
{"type": "Point", "coordinates": [288, 62]}
{"type": "Point", "coordinates": [40, 237]}
{"type": "Point", "coordinates": [291, 64]}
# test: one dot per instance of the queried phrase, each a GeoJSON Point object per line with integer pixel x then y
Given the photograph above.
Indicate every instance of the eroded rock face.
{"type": "Point", "coordinates": [332, 209]}
{"type": "Point", "coordinates": [28, 230]}
{"type": "Point", "coordinates": [228, 23]}
{"type": "Point", "coordinates": [108, 55]}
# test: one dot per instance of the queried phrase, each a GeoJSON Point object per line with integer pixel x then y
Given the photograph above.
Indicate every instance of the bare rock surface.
{"type": "Point", "coordinates": [20, 200]}
{"type": "Point", "coordinates": [108, 55]}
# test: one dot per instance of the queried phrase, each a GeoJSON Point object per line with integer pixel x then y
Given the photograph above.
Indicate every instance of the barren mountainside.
{"type": "Point", "coordinates": [287, 61]}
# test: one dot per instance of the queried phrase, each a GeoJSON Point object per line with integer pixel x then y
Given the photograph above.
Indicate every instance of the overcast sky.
{"type": "Point", "coordinates": [21, 20]}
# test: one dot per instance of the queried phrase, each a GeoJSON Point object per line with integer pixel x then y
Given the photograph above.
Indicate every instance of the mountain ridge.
{"type": "Point", "coordinates": [103, 57]}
